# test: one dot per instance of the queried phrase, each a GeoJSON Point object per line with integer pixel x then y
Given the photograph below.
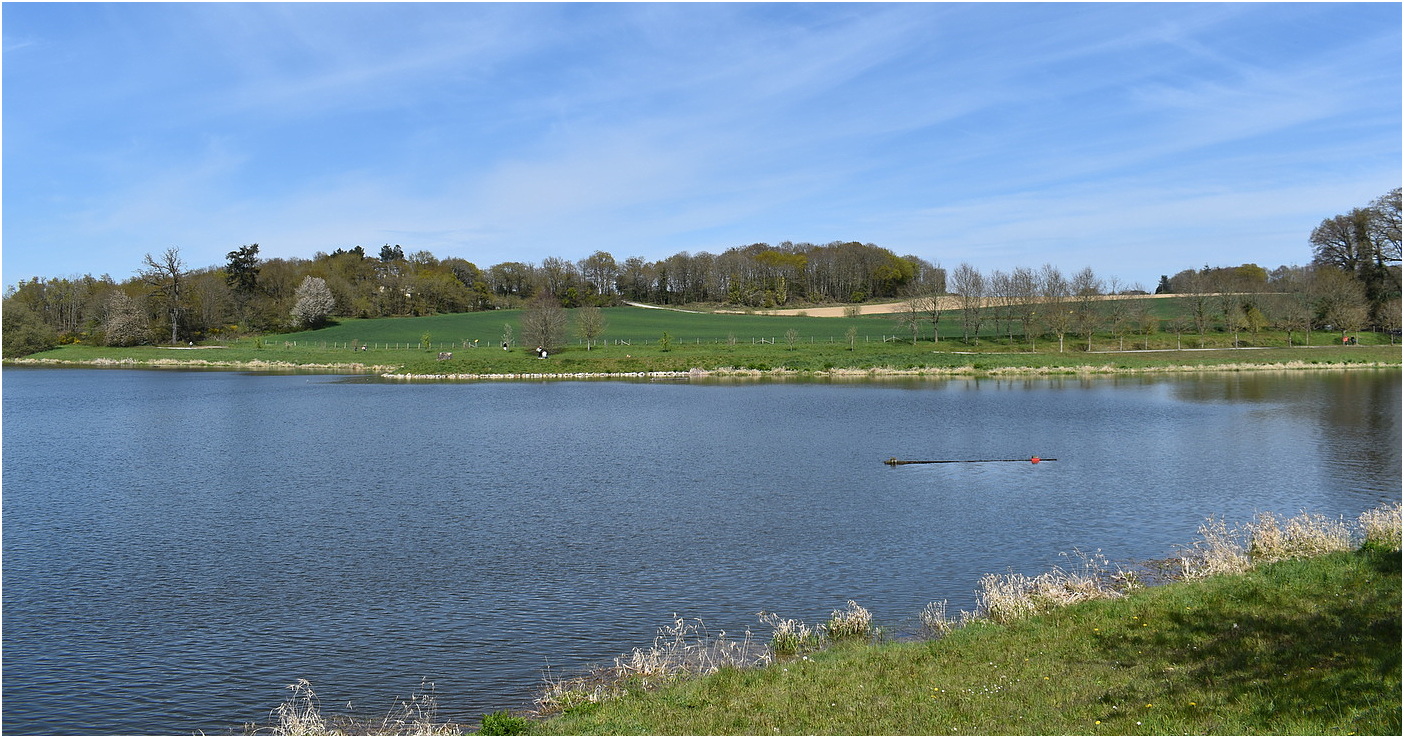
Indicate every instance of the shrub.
{"type": "Point", "coordinates": [24, 331]}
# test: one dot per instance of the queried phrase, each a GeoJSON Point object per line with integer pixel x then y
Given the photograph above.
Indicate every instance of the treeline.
{"type": "Point", "coordinates": [1352, 283]}
{"type": "Point", "coordinates": [167, 300]}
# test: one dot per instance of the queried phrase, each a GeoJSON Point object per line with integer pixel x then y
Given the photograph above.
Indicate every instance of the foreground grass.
{"type": "Point", "coordinates": [1306, 647]}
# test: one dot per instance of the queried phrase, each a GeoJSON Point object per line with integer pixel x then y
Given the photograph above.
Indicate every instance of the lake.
{"type": "Point", "coordinates": [179, 546]}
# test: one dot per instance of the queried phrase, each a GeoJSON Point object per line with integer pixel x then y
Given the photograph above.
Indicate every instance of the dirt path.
{"type": "Point", "coordinates": [949, 302]}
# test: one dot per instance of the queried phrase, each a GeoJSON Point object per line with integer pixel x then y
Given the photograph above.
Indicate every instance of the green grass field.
{"type": "Point", "coordinates": [632, 344]}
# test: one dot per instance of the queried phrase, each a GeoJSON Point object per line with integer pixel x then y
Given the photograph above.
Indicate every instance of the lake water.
{"type": "Point", "coordinates": [179, 546]}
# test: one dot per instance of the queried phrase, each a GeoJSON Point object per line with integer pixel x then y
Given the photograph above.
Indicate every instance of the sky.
{"type": "Point", "coordinates": [1138, 139]}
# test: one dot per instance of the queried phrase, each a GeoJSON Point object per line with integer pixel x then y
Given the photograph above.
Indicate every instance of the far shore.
{"type": "Point", "coordinates": [390, 371]}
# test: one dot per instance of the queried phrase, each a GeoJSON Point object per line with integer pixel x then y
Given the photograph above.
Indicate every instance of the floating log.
{"type": "Point", "coordinates": [894, 461]}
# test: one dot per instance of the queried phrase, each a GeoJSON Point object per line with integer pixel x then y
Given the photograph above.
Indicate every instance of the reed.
{"type": "Point", "coordinates": [685, 648]}
{"type": "Point", "coordinates": [1005, 598]}
{"type": "Point", "coordinates": [854, 621]}
{"type": "Point", "coordinates": [1299, 537]}
{"type": "Point", "coordinates": [302, 714]}
{"type": "Point", "coordinates": [1381, 527]}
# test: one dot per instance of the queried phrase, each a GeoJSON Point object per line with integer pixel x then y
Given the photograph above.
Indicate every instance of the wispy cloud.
{"type": "Point", "coordinates": [1128, 134]}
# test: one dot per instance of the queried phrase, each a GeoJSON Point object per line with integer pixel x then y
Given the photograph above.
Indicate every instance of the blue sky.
{"type": "Point", "coordinates": [1138, 139]}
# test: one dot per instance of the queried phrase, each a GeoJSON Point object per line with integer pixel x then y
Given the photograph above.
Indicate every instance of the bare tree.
{"type": "Point", "coordinates": [1390, 318]}
{"type": "Point", "coordinates": [1086, 289]}
{"type": "Point", "coordinates": [911, 315]}
{"type": "Point", "coordinates": [969, 285]}
{"type": "Point", "coordinates": [589, 323]}
{"type": "Point", "coordinates": [1198, 292]}
{"type": "Point", "coordinates": [1024, 291]}
{"type": "Point", "coordinates": [166, 276]}
{"type": "Point", "coordinates": [544, 322]}
{"type": "Point", "coordinates": [1053, 307]}
{"type": "Point", "coordinates": [1119, 311]}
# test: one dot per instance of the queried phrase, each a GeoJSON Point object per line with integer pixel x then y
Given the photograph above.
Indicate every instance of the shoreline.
{"type": "Point", "coordinates": [386, 371]}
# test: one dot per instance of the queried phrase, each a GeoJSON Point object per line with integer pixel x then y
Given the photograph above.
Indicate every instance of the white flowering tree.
{"type": "Point", "coordinates": [314, 303]}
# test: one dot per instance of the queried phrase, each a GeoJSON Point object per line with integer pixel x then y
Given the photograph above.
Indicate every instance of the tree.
{"type": "Point", "coordinates": [1120, 312]}
{"type": "Point", "coordinates": [1086, 290]}
{"type": "Point", "coordinates": [589, 323]}
{"type": "Point", "coordinates": [1339, 299]}
{"type": "Point", "coordinates": [969, 285]}
{"type": "Point", "coordinates": [166, 276]}
{"type": "Point", "coordinates": [544, 322]}
{"type": "Point", "coordinates": [1024, 292]}
{"type": "Point", "coordinates": [1054, 293]}
{"type": "Point", "coordinates": [241, 271]}
{"type": "Point", "coordinates": [1365, 244]}
{"type": "Point", "coordinates": [599, 271]}
{"type": "Point", "coordinates": [1390, 318]}
{"type": "Point", "coordinates": [314, 303]}
{"type": "Point", "coordinates": [24, 332]}
{"type": "Point", "coordinates": [1198, 292]}
{"type": "Point", "coordinates": [910, 316]}
{"type": "Point", "coordinates": [126, 323]}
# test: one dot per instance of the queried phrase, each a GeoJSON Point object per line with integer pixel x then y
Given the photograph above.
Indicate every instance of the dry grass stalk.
{"type": "Point", "coordinates": [790, 636]}
{"type": "Point", "coordinates": [1302, 536]}
{"type": "Point", "coordinates": [852, 622]}
{"type": "Point", "coordinates": [684, 648]}
{"type": "Point", "coordinates": [301, 715]}
{"type": "Point", "coordinates": [936, 623]}
{"type": "Point", "coordinates": [1220, 551]}
{"type": "Point", "coordinates": [1381, 526]}
{"type": "Point", "coordinates": [1005, 598]}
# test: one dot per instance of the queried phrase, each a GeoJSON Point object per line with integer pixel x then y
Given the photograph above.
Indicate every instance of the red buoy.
{"type": "Point", "coordinates": [1034, 460]}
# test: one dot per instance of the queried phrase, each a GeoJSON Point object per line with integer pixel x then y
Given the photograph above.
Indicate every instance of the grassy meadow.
{"type": "Point", "coordinates": [633, 342]}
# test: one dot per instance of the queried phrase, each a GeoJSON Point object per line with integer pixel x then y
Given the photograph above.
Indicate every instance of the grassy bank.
{"type": "Point", "coordinates": [1306, 647]}
{"type": "Point", "coordinates": [1274, 627]}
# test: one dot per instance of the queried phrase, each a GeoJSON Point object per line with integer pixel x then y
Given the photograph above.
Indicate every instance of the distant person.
{"type": "Point", "coordinates": [504, 345]}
